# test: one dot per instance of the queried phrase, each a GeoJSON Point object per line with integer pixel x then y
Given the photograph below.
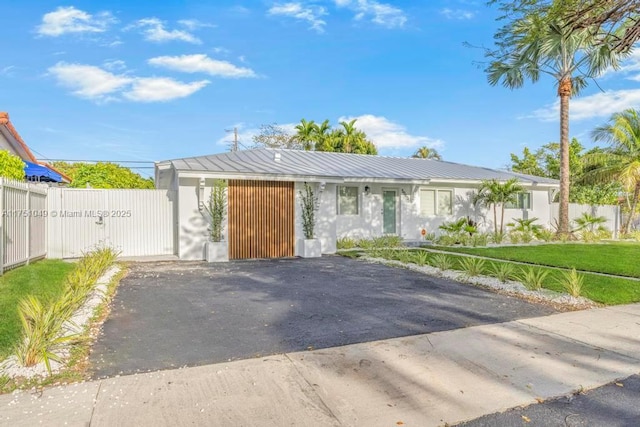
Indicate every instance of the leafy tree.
{"type": "Point", "coordinates": [427, 153]}
{"type": "Point", "coordinates": [544, 162]}
{"type": "Point", "coordinates": [307, 134]}
{"type": "Point", "coordinates": [103, 175]}
{"type": "Point", "coordinates": [11, 166]}
{"type": "Point", "coordinates": [495, 193]}
{"type": "Point", "coordinates": [537, 40]}
{"type": "Point", "coordinates": [275, 136]}
{"type": "Point", "coordinates": [621, 160]}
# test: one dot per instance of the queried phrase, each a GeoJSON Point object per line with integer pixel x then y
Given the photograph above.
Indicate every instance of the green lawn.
{"type": "Point", "coordinates": [619, 258]}
{"type": "Point", "coordinates": [44, 279]}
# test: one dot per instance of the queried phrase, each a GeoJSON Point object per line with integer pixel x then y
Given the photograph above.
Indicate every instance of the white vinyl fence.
{"type": "Point", "coordinates": [23, 226]}
{"type": "Point", "coordinates": [610, 212]}
{"type": "Point", "coordinates": [135, 222]}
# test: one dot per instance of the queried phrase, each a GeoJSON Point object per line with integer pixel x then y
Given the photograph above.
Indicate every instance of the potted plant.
{"type": "Point", "coordinates": [217, 250]}
{"type": "Point", "coordinates": [310, 247]}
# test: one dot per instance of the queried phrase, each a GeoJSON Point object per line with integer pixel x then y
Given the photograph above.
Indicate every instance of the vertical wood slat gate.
{"type": "Point", "coordinates": [261, 219]}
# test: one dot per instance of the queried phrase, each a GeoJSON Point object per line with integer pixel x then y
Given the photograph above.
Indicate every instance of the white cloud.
{"type": "Point", "coordinates": [114, 65]}
{"type": "Point", "coordinates": [201, 63]}
{"type": "Point", "coordinates": [97, 84]}
{"type": "Point", "coordinates": [155, 89]}
{"type": "Point", "coordinates": [66, 20]}
{"type": "Point", "coordinates": [382, 14]}
{"type": "Point", "coordinates": [154, 30]}
{"type": "Point", "coordinates": [311, 14]}
{"type": "Point", "coordinates": [387, 134]}
{"type": "Point", "coordinates": [459, 14]}
{"type": "Point", "coordinates": [598, 105]}
{"type": "Point", "coordinates": [88, 81]}
{"type": "Point", "coordinates": [194, 24]}
{"type": "Point", "coordinates": [8, 71]}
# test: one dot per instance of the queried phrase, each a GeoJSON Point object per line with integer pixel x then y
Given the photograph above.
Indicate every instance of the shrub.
{"type": "Point", "coordinates": [387, 242]}
{"type": "Point", "coordinates": [43, 326]}
{"type": "Point", "coordinates": [472, 267]}
{"type": "Point", "coordinates": [442, 261]}
{"type": "Point", "coordinates": [502, 271]}
{"type": "Point", "coordinates": [447, 240]}
{"type": "Point", "coordinates": [308, 204]}
{"type": "Point", "coordinates": [526, 236]}
{"type": "Point", "coordinates": [497, 238]}
{"type": "Point", "coordinates": [572, 282]}
{"type": "Point", "coordinates": [217, 210]}
{"type": "Point", "coordinates": [515, 237]}
{"type": "Point", "coordinates": [480, 239]}
{"type": "Point", "coordinates": [430, 237]}
{"type": "Point", "coordinates": [532, 278]}
{"type": "Point", "coordinates": [422, 258]}
{"type": "Point", "coordinates": [544, 234]}
{"type": "Point", "coordinates": [346, 243]}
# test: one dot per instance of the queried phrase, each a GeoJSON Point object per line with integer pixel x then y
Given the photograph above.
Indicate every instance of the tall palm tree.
{"type": "Point", "coordinates": [350, 135]}
{"type": "Point", "coordinates": [306, 133]}
{"type": "Point", "coordinates": [620, 161]}
{"type": "Point", "coordinates": [493, 193]}
{"type": "Point", "coordinates": [538, 44]}
{"type": "Point", "coordinates": [322, 134]}
{"type": "Point", "coordinates": [427, 153]}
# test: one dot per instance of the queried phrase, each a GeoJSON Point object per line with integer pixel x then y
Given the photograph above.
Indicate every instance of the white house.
{"type": "Point", "coordinates": [358, 196]}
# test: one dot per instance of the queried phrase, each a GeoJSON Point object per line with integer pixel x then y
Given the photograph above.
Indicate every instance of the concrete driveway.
{"type": "Point", "coordinates": [175, 314]}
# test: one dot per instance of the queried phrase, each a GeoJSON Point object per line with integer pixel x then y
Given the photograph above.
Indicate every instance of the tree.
{"type": "Point", "coordinates": [11, 166]}
{"type": "Point", "coordinates": [427, 153]}
{"type": "Point", "coordinates": [275, 136]}
{"type": "Point", "coordinates": [317, 137]}
{"type": "Point", "coordinates": [611, 16]}
{"type": "Point", "coordinates": [103, 175]}
{"type": "Point", "coordinates": [493, 193]}
{"type": "Point", "coordinates": [620, 161]}
{"type": "Point", "coordinates": [307, 134]}
{"type": "Point", "coordinates": [538, 41]}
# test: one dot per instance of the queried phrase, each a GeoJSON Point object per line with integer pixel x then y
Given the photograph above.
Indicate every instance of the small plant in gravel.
{"type": "Point", "coordinates": [572, 282]}
{"type": "Point", "coordinates": [497, 238]}
{"type": "Point", "coordinates": [532, 278]}
{"type": "Point", "coordinates": [502, 271]}
{"type": "Point", "coordinates": [442, 262]}
{"type": "Point", "coordinates": [346, 243]}
{"type": "Point", "coordinates": [472, 267]}
{"type": "Point", "coordinates": [422, 258]}
{"type": "Point", "coordinates": [526, 236]}
{"type": "Point", "coordinates": [515, 237]}
{"type": "Point", "coordinates": [404, 255]}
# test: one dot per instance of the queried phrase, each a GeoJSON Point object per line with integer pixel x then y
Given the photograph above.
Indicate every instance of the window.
{"type": "Point", "coordinates": [523, 202]}
{"type": "Point", "coordinates": [347, 203]}
{"type": "Point", "coordinates": [436, 202]}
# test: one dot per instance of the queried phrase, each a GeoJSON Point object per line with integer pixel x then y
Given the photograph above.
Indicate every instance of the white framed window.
{"type": "Point", "coordinates": [523, 202]}
{"type": "Point", "coordinates": [347, 200]}
{"type": "Point", "coordinates": [436, 202]}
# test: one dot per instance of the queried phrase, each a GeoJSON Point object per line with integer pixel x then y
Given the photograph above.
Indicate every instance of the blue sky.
{"type": "Point", "coordinates": [142, 80]}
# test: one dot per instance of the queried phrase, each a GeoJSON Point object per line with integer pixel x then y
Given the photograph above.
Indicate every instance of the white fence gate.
{"type": "Point", "coordinates": [23, 226]}
{"type": "Point", "coordinates": [136, 222]}
{"type": "Point", "coordinates": [610, 212]}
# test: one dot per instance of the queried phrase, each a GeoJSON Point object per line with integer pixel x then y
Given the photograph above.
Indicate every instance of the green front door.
{"type": "Point", "coordinates": [389, 212]}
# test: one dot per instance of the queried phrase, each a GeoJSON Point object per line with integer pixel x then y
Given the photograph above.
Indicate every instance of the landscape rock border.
{"type": "Point", "coordinates": [75, 325]}
{"type": "Point", "coordinates": [513, 288]}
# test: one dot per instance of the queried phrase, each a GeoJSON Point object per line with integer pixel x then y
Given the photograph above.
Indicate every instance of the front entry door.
{"type": "Point", "coordinates": [389, 211]}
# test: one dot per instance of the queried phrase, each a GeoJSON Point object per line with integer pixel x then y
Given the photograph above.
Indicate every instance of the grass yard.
{"type": "Point", "coordinates": [43, 279]}
{"type": "Point", "coordinates": [619, 258]}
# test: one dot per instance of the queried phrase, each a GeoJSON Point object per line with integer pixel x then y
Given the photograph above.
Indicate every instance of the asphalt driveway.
{"type": "Point", "coordinates": [174, 314]}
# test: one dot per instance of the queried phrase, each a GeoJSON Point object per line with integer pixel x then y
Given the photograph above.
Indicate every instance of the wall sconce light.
{"type": "Point", "coordinates": [367, 190]}
{"type": "Point", "coordinates": [404, 193]}
{"type": "Point", "coordinates": [322, 186]}
{"type": "Point", "coordinates": [201, 194]}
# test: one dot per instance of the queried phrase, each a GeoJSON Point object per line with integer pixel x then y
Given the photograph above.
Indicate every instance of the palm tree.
{"type": "Point", "coordinates": [620, 161]}
{"type": "Point", "coordinates": [322, 134]}
{"type": "Point", "coordinates": [427, 153]}
{"type": "Point", "coordinates": [542, 44]}
{"type": "Point", "coordinates": [350, 134]}
{"type": "Point", "coordinates": [493, 193]}
{"type": "Point", "coordinates": [306, 134]}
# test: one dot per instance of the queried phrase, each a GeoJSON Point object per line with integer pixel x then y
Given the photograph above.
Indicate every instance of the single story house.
{"type": "Point", "coordinates": [358, 196]}
{"type": "Point", "coordinates": [11, 141]}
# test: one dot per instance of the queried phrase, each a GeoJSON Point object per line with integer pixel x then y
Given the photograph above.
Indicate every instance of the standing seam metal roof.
{"type": "Point", "coordinates": [342, 165]}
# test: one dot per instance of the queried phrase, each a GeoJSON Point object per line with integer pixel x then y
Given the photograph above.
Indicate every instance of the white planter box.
{"type": "Point", "coordinates": [310, 248]}
{"type": "Point", "coordinates": [216, 252]}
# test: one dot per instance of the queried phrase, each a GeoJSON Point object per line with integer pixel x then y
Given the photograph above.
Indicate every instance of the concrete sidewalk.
{"type": "Point", "coordinates": [433, 379]}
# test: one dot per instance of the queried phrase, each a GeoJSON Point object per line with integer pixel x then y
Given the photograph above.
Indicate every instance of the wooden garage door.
{"type": "Point", "coordinates": [261, 215]}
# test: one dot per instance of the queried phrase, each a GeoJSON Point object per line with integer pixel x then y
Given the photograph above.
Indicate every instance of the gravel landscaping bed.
{"type": "Point", "coordinates": [510, 287]}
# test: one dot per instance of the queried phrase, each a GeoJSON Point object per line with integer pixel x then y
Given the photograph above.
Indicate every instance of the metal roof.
{"type": "Point", "coordinates": [342, 166]}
